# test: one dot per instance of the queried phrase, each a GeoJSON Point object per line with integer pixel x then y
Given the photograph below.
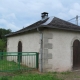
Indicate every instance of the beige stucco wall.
{"type": "Point", "coordinates": [30, 42]}
{"type": "Point", "coordinates": [61, 50]}
{"type": "Point", "coordinates": [57, 47]}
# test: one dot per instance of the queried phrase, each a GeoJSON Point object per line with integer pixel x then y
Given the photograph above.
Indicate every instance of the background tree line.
{"type": "Point", "coordinates": [3, 39]}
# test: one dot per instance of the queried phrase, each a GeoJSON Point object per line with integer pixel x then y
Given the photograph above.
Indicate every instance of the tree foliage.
{"type": "Point", "coordinates": [3, 32]}
{"type": "Point", "coordinates": [3, 39]}
{"type": "Point", "coordinates": [2, 45]}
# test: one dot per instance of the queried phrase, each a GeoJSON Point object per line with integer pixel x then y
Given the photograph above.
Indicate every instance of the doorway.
{"type": "Point", "coordinates": [76, 54]}
{"type": "Point", "coordinates": [20, 51]}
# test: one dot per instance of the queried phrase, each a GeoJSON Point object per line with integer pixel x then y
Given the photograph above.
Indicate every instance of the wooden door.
{"type": "Point", "coordinates": [76, 54]}
{"type": "Point", "coordinates": [20, 51]}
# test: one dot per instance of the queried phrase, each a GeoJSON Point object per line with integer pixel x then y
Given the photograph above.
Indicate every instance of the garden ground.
{"type": "Point", "coordinates": [34, 75]}
{"type": "Point", "coordinates": [27, 74]}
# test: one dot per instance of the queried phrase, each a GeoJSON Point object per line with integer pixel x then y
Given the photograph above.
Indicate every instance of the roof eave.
{"type": "Point", "coordinates": [8, 35]}
{"type": "Point", "coordinates": [54, 27]}
{"type": "Point", "coordinates": [41, 26]}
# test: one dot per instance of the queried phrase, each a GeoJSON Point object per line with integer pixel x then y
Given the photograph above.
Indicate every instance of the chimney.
{"type": "Point", "coordinates": [44, 15]}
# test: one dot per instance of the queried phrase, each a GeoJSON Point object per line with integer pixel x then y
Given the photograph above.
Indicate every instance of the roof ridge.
{"type": "Point", "coordinates": [48, 21]}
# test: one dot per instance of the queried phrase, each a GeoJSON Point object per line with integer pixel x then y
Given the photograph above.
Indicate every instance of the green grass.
{"type": "Point", "coordinates": [19, 74]}
{"type": "Point", "coordinates": [10, 65]}
{"type": "Point", "coordinates": [31, 77]}
{"type": "Point", "coordinates": [7, 65]}
{"type": "Point", "coordinates": [23, 75]}
{"type": "Point", "coordinates": [34, 75]}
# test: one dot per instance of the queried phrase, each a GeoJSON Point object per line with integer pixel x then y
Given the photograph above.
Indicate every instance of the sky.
{"type": "Point", "coordinates": [17, 14]}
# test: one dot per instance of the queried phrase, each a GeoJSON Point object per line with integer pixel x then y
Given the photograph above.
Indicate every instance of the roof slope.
{"type": "Point", "coordinates": [52, 22]}
{"type": "Point", "coordinates": [61, 24]}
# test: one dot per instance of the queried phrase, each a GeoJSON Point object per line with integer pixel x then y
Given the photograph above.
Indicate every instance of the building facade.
{"type": "Point", "coordinates": [56, 41]}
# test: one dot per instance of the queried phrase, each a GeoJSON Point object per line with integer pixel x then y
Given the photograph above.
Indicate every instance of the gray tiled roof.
{"type": "Point", "coordinates": [54, 23]}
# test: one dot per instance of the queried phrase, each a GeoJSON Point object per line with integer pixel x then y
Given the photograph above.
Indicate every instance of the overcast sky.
{"type": "Point", "coordinates": [16, 14]}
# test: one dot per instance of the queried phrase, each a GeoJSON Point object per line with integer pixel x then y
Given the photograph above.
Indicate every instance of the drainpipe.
{"type": "Point", "coordinates": [41, 48]}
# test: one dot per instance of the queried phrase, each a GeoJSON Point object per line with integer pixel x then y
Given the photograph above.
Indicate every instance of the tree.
{"type": "Point", "coordinates": [3, 32]}
{"type": "Point", "coordinates": [2, 45]}
{"type": "Point", "coordinates": [3, 40]}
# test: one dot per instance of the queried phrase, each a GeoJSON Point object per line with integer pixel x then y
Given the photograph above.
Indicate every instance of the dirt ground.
{"type": "Point", "coordinates": [74, 75]}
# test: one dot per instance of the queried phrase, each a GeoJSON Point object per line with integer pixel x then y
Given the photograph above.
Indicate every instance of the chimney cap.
{"type": "Point", "coordinates": [44, 13]}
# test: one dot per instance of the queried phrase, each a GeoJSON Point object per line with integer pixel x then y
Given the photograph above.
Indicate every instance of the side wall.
{"type": "Point", "coordinates": [58, 49]}
{"type": "Point", "coordinates": [30, 43]}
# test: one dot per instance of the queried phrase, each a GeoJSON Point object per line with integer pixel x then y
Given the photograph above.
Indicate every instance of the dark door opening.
{"type": "Point", "coordinates": [20, 51]}
{"type": "Point", "coordinates": [76, 55]}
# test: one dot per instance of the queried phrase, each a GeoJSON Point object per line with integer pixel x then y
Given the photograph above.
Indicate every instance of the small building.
{"type": "Point", "coordinates": [57, 42]}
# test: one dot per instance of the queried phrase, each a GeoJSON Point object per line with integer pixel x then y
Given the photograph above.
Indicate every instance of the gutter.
{"type": "Point", "coordinates": [41, 49]}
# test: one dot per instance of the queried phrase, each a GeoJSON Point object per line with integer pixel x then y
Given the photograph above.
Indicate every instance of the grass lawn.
{"type": "Point", "coordinates": [34, 75]}
{"type": "Point", "coordinates": [30, 76]}
{"type": "Point", "coordinates": [10, 65]}
{"type": "Point", "coordinates": [21, 75]}
{"type": "Point", "coordinates": [7, 65]}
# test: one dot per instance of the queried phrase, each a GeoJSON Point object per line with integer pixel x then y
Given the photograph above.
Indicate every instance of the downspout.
{"type": "Point", "coordinates": [41, 48]}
